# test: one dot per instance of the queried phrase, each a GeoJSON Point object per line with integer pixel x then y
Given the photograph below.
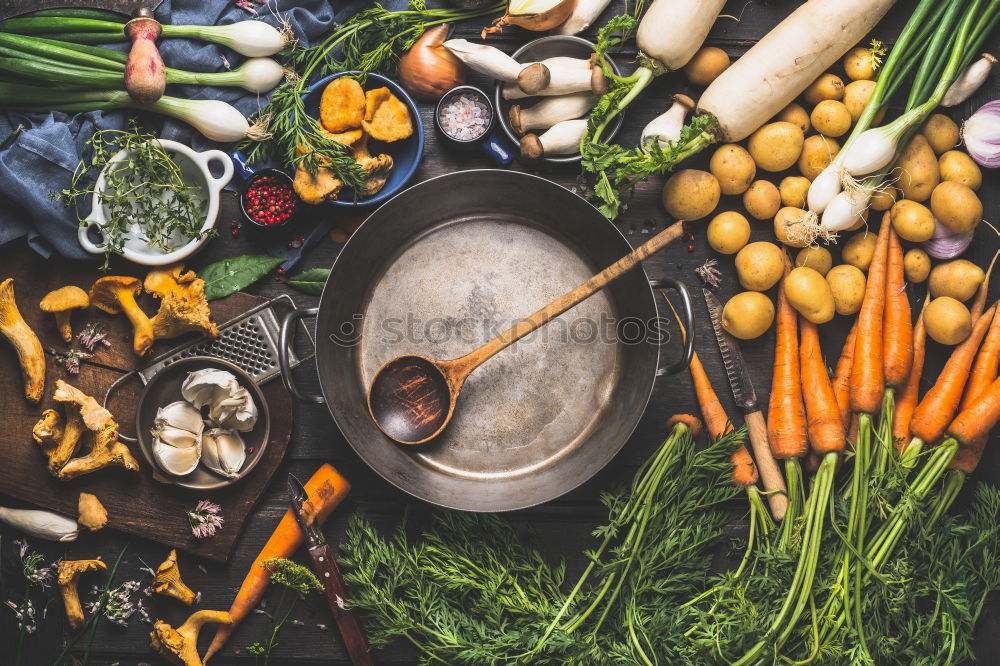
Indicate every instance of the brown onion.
{"type": "Point", "coordinates": [429, 70]}
{"type": "Point", "coordinates": [534, 15]}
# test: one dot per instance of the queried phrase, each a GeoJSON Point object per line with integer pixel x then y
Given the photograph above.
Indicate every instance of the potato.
{"type": "Point", "coordinates": [916, 265]}
{"type": "Point", "coordinates": [941, 133]}
{"type": "Point", "coordinates": [831, 118]}
{"type": "Point", "coordinates": [706, 65]}
{"type": "Point", "coordinates": [776, 146]}
{"type": "Point", "coordinates": [958, 167]}
{"type": "Point", "coordinates": [847, 284]}
{"type": "Point", "coordinates": [884, 198]}
{"type": "Point", "coordinates": [959, 279]}
{"type": "Point", "coordinates": [816, 258]}
{"type": "Point", "coordinates": [810, 294]}
{"type": "Point", "coordinates": [762, 200]}
{"type": "Point", "coordinates": [918, 169]}
{"type": "Point", "coordinates": [956, 206]}
{"type": "Point", "coordinates": [690, 194]}
{"type": "Point", "coordinates": [793, 191]}
{"type": "Point", "coordinates": [732, 165]}
{"type": "Point", "coordinates": [784, 222]}
{"type": "Point", "coordinates": [747, 315]}
{"type": "Point", "coordinates": [858, 64]}
{"type": "Point", "coordinates": [947, 321]}
{"type": "Point", "coordinates": [817, 152]}
{"type": "Point", "coordinates": [794, 114]}
{"type": "Point", "coordinates": [912, 221]}
{"type": "Point", "coordinates": [827, 86]}
{"type": "Point", "coordinates": [728, 232]}
{"type": "Point", "coordinates": [856, 96]}
{"type": "Point", "coordinates": [859, 250]}
{"type": "Point", "coordinates": [760, 265]}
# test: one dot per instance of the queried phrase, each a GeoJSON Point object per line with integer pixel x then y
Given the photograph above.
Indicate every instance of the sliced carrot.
{"type": "Point", "coordinates": [867, 376]}
{"type": "Point", "coordinates": [786, 413]}
{"type": "Point", "coordinates": [897, 328]}
{"type": "Point", "coordinates": [906, 400]}
{"type": "Point", "coordinates": [842, 376]}
{"type": "Point", "coordinates": [825, 427]}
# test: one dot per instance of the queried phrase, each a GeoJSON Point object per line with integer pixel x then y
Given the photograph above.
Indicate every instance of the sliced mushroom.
{"type": "Point", "coordinates": [25, 342]}
{"type": "Point", "coordinates": [180, 645]}
{"type": "Point", "coordinates": [116, 294]}
{"type": "Point", "coordinates": [69, 578]}
{"type": "Point", "coordinates": [168, 581]}
{"type": "Point", "coordinates": [61, 303]}
{"type": "Point", "coordinates": [93, 515]}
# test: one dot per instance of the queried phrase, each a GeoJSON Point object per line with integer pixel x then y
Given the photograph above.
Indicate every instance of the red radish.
{"type": "Point", "coordinates": [145, 75]}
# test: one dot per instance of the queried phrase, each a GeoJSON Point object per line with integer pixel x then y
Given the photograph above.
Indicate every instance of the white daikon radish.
{"type": "Point", "coordinates": [550, 111]}
{"type": "Point", "coordinates": [560, 139]}
{"type": "Point", "coordinates": [583, 16]}
{"type": "Point", "coordinates": [783, 64]}
{"type": "Point", "coordinates": [672, 31]}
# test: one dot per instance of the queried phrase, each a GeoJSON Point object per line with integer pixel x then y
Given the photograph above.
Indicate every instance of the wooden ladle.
{"type": "Point", "coordinates": [412, 398]}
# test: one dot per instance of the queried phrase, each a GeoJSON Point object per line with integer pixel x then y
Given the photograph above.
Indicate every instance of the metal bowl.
{"type": "Point", "coordinates": [165, 387]}
{"type": "Point", "coordinates": [540, 49]}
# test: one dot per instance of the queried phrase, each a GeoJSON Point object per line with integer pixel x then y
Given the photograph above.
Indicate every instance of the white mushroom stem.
{"type": "Point", "coordinates": [550, 111]}
{"type": "Point", "coordinates": [40, 524]}
{"type": "Point", "coordinates": [566, 76]}
{"type": "Point", "coordinates": [583, 16]}
{"type": "Point", "coordinates": [969, 81]}
{"type": "Point", "coordinates": [485, 59]}
{"type": "Point", "coordinates": [560, 139]}
{"type": "Point", "coordinates": [667, 126]}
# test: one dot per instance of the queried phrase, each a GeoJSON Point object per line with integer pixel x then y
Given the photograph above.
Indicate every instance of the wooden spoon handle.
{"type": "Point", "coordinates": [461, 367]}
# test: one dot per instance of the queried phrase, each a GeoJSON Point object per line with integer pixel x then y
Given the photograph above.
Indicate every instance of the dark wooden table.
{"type": "Point", "coordinates": [563, 525]}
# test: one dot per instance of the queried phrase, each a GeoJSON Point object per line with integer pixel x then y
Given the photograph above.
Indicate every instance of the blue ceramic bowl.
{"type": "Point", "coordinates": [405, 153]}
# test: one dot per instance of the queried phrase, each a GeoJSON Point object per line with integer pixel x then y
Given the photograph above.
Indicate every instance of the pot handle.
{"type": "Point", "coordinates": [688, 313]}
{"type": "Point", "coordinates": [284, 344]}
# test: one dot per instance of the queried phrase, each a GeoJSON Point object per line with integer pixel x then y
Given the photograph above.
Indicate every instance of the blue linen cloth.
{"type": "Point", "coordinates": [39, 158]}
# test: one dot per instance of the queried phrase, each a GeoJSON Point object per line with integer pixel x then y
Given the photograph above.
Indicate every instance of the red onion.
{"type": "Point", "coordinates": [947, 244]}
{"type": "Point", "coordinates": [981, 133]}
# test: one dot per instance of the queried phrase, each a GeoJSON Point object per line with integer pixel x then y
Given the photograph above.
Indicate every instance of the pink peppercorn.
{"type": "Point", "coordinates": [269, 200]}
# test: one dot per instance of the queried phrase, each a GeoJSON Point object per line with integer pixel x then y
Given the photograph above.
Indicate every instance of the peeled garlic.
{"type": "Point", "coordinates": [229, 404]}
{"type": "Point", "coordinates": [177, 435]}
{"type": "Point", "coordinates": [223, 451]}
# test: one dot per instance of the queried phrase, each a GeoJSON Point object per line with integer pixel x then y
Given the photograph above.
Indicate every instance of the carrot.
{"type": "Point", "coordinates": [906, 401]}
{"type": "Point", "coordinates": [325, 489]}
{"type": "Point", "coordinates": [897, 329]}
{"type": "Point", "coordinates": [867, 377]}
{"type": "Point", "coordinates": [980, 302]}
{"type": "Point", "coordinates": [744, 469]}
{"type": "Point", "coordinates": [825, 426]}
{"type": "Point", "coordinates": [976, 421]}
{"type": "Point", "coordinates": [984, 373]}
{"type": "Point", "coordinates": [786, 413]}
{"type": "Point", "coordinates": [935, 411]}
{"type": "Point", "coordinates": [842, 376]}
{"type": "Point", "coordinates": [693, 423]}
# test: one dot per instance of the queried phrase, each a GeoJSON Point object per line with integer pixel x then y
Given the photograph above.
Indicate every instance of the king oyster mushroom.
{"type": "Point", "coordinates": [177, 438]}
{"type": "Point", "coordinates": [223, 451]}
{"type": "Point", "coordinates": [229, 404]}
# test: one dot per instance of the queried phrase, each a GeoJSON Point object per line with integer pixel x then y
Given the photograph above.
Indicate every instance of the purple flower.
{"type": "Point", "coordinates": [93, 334]}
{"type": "Point", "coordinates": [205, 519]}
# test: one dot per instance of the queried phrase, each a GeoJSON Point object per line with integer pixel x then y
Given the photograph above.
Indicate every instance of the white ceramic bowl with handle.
{"type": "Point", "coordinates": [195, 170]}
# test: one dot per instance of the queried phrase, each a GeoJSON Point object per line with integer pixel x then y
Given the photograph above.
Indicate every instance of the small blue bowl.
{"type": "Point", "coordinates": [405, 153]}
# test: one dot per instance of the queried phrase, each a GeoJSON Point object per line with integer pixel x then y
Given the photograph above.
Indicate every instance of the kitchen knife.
{"type": "Point", "coordinates": [9, 8]}
{"type": "Point", "coordinates": [746, 400]}
{"type": "Point", "coordinates": [328, 573]}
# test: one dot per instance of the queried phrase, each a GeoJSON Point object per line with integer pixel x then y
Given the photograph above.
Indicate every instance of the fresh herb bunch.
{"type": "Point", "coordinates": [290, 577]}
{"type": "Point", "coordinates": [146, 191]}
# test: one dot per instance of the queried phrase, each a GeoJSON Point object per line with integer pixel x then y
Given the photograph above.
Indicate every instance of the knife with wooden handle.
{"type": "Point", "coordinates": [746, 400]}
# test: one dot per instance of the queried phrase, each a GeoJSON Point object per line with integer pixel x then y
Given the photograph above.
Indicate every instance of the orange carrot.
{"type": "Point", "coordinates": [325, 490]}
{"type": "Point", "coordinates": [897, 329]}
{"type": "Point", "coordinates": [984, 373]}
{"type": "Point", "coordinates": [906, 400]}
{"type": "Point", "coordinates": [786, 414]}
{"type": "Point", "coordinates": [712, 411]}
{"type": "Point", "coordinates": [826, 429]}
{"type": "Point", "coordinates": [867, 377]}
{"type": "Point", "coordinates": [692, 422]}
{"type": "Point", "coordinates": [979, 303]}
{"type": "Point", "coordinates": [744, 469]}
{"type": "Point", "coordinates": [976, 421]}
{"type": "Point", "coordinates": [936, 410]}
{"type": "Point", "coordinates": [842, 376]}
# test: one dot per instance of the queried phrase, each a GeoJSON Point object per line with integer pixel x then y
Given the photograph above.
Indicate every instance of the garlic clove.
{"type": "Point", "coordinates": [223, 452]}
{"type": "Point", "coordinates": [238, 412]}
{"type": "Point", "coordinates": [229, 404]}
{"type": "Point", "coordinates": [176, 460]}
{"type": "Point", "coordinates": [178, 415]}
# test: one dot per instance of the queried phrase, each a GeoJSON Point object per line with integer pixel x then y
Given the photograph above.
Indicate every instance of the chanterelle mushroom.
{"type": "Point", "coordinates": [93, 515]}
{"type": "Point", "coordinates": [69, 577]}
{"type": "Point", "coordinates": [25, 342]}
{"type": "Point", "coordinates": [183, 306]}
{"type": "Point", "coordinates": [115, 294]}
{"type": "Point", "coordinates": [59, 438]}
{"type": "Point", "coordinates": [377, 167]}
{"type": "Point", "coordinates": [168, 581]}
{"type": "Point", "coordinates": [61, 303]}
{"type": "Point", "coordinates": [180, 645]}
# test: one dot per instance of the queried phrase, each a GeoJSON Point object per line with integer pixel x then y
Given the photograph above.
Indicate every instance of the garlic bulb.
{"type": "Point", "coordinates": [177, 435]}
{"type": "Point", "coordinates": [229, 404]}
{"type": "Point", "coordinates": [223, 451]}
{"type": "Point", "coordinates": [40, 524]}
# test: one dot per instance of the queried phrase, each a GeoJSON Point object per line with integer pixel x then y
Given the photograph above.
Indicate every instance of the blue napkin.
{"type": "Point", "coordinates": [38, 152]}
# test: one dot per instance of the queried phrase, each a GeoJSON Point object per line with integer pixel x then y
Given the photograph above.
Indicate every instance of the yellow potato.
{"type": "Point", "coordinates": [884, 198]}
{"type": "Point", "coordinates": [785, 221]}
{"type": "Point", "coordinates": [816, 258]}
{"type": "Point", "coordinates": [941, 133]}
{"type": "Point", "coordinates": [831, 118]}
{"type": "Point", "coordinates": [847, 284]}
{"type": "Point", "coordinates": [856, 96]}
{"type": "Point", "coordinates": [859, 250]}
{"type": "Point", "coordinates": [947, 321]}
{"type": "Point", "coordinates": [817, 152]}
{"type": "Point", "coordinates": [776, 146]}
{"type": "Point", "coordinates": [913, 221]}
{"type": "Point", "coordinates": [916, 265]}
{"type": "Point", "coordinates": [959, 168]}
{"type": "Point", "coordinates": [706, 65]}
{"type": "Point", "coordinates": [793, 191]}
{"type": "Point", "coordinates": [728, 232]}
{"type": "Point", "coordinates": [732, 165]}
{"type": "Point", "coordinates": [747, 315]}
{"type": "Point", "coordinates": [917, 168]}
{"type": "Point", "coordinates": [691, 194]}
{"type": "Point", "coordinates": [760, 265]}
{"type": "Point", "coordinates": [795, 114]}
{"type": "Point", "coordinates": [959, 279]}
{"type": "Point", "coordinates": [809, 294]}
{"type": "Point", "coordinates": [858, 64]}
{"type": "Point", "coordinates": [827, 86]}
{"type": "Point", "coordinates": [762, 200]}
{"type": "Point", "coordinates": [956, 206]}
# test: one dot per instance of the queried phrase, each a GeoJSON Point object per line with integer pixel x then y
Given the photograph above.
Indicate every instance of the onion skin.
{"type": "Point", "coordinates": [429, 70]}
{"type": "Point", "coordinates": [947, 244]}
{"type": "Point", "coordinates": [145, 75]}
{"type": "Point", "coordinates": [537, 22]}
{"type": "Point", "coordinates": [981, 134]}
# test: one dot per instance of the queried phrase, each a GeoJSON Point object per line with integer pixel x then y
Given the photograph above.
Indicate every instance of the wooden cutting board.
{"type": "Point", "coordinates": [136, 503]}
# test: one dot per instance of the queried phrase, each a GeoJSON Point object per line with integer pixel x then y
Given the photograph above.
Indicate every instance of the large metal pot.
{"type": "Point", "coordinates": [440, 269]}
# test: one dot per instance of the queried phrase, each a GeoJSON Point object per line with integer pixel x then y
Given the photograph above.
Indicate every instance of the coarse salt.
{"type": "Point", "coordinates": [465, 117]}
